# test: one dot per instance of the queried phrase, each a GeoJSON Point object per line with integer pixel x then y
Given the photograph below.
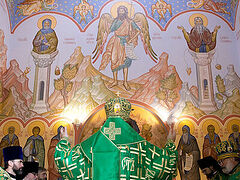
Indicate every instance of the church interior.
{"type": "Point", "coordinates": [176, 62]}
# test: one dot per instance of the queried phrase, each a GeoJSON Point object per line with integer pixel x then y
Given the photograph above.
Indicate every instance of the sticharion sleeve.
{"type": "Point", "coordinates": [162, 163]}
{"type": "Point", "coordinates": [4, 175]}
{"type": "Point", "coordinates": [71, 163]}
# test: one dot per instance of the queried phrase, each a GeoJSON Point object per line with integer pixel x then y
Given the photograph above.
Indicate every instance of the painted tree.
{"type": "Point", "coordinates": [64, 83]}
{"type": "Point", "coordinates": [166, 92]}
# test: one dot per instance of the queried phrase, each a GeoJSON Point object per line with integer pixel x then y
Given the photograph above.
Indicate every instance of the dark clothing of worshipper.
{"type": "Point", "coordinates": [13, 159]}
{"type": "Point", "coordinates": [211, 169]}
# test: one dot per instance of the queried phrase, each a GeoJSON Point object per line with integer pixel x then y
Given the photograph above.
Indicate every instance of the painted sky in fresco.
{"type": "Point", "coordinates": [19, 10]}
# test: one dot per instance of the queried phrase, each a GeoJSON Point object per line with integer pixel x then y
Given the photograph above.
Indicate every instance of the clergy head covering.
{"type": "Point", "coordinates": [207, 162]}
{"type": "Point", "coordinates": [226, 149]}
{"type": "Point", "coordinates": [12, 152]}
{"type": "Point", "coordinates": [118, 107]}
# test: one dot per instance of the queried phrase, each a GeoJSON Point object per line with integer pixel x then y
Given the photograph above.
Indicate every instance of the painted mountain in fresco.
{"type": "Point", "coordinates": [16, 96]}
{"type": "Point", "coordinates": [230, 106]}
{"type": "Point", "coordinates": [99, 93]}
{"type": "Point", "coordinates": [90, 95]}
{"type": "Point", "coordinates": [231, 80]}
{"type": "Point", "coordinates": [160, 79]}
{"type": "Point", "coordinates": [186, 98]}
{"type": "Point", "coordinates": [161, 82]}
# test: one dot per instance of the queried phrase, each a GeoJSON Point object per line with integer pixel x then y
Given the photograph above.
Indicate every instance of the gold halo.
{"type": "Point", "coordinates": [204, 18]}
{"type": "Point", "coordinates": [122, 3]}
{"type": "Point", "coordinates": [231, 122]}
{"type": "Point", "coordinates": [210, 122]}
{"type": "Point", "coordinates": [9, 124]}
{"type": "Point", "coordinates": [61, 123]}
{"type": "Point", "coordinates": [53, 19]}
{"type": "Point", "coordinates": [188, 123]}
{"type": "Point", "coordinates": [33, 124]}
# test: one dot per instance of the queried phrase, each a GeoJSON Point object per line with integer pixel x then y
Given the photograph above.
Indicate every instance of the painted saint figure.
{"type": "Point", "coordinates": [200, 39]}
{"type": "Point", "coordinates": [188, 155]}
{"type": "Point", "coordinates": [235, 136]}
{"type": "Point", "coordinates": [52, 168]}
{"type": "Point", "coordinates": [45, 41]}
{"type": "Point", "coordinates": [34, 148]}
{"type": "Point", "coordinates": [119, 49]}
{"type": "Point", "coordinates": [210, 142]}
{"type": "Point", "coordinates": [10, 139]}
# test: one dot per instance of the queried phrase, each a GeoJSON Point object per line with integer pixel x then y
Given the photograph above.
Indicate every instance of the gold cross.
{"type": "Point", "coordinates": [118, 94]}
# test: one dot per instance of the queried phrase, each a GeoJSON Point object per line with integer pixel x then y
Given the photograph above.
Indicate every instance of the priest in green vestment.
{"type": "Point", "coordinates": [4, 175]}
{"type": "Point", "coordinates": [115, 152]}
{"type": "Point", "coordinates": [229, 159]}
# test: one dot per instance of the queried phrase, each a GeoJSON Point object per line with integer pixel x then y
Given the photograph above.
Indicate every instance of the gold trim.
{"type": "Point", "coordinates": [227, 155]}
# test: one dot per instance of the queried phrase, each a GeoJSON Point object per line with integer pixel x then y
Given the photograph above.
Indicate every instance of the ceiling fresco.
{"type": "Point", "coordinates": [85, 12]}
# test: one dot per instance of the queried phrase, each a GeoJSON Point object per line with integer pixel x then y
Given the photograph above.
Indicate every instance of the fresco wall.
{"type": "Point", "coordinates": [63, 75]}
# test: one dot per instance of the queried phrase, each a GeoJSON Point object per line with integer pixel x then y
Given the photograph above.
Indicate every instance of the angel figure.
{"type": "Point", "coordinates": [119, 49]}
{"type": "Point", "coordinates": [83, 8]}
{"type": "Point", "coordinates": [28, 7]}
{"type": "Point", "coordinates": [161, 7]}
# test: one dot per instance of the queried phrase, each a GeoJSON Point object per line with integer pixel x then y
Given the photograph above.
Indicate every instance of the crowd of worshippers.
{"type": "Point", "coordinates": [226, 167]}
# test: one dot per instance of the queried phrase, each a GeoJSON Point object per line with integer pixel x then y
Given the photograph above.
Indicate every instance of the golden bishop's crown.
{"type": "Point", "coordinates": [119, 107]}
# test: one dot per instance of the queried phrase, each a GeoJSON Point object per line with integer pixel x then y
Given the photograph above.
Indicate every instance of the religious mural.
{"type": "Point", "coordinates": [185, 80]}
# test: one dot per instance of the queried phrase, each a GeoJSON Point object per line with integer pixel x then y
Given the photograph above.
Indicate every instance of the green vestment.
{"type": "Point", "coordinates": [219, 176]}
{"type": "Point", "coordinates": [4, 175]}
{"type": "Point", "coordinates": [235, 175]}
{"type": "Point", "coordinates": [116, 152]}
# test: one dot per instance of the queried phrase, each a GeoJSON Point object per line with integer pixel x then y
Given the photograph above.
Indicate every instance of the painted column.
{"type": "Point", "coordinates": [41, 81]}
{"type": "Point", "coordinates": [204, 80]}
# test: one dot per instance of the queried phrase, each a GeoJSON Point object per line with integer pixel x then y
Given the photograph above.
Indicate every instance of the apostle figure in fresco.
{"type": "Point", "coordinates": [188, 155]}
{"type": "Point", "coordinates": [10, 139]}
{"type": "Point", "coordinates": [120, 47]}
{"type": "Point", "coordinates": [52, 168]}
{"type": "Point", "coordinates": [200, 39]}
{"type": "Point", "coordinates": [34, 150]}
{"type": "Point", "coordinates": [235, 136]}
{"type": "Point", "coordinates": [45, 41]}
{"type": "Point", "coordinates": [116, 151]}
{"type": "Point", "coordinates": [210, 142]}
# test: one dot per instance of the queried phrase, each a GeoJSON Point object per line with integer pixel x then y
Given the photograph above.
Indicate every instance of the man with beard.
{"type": "Point", "coordinates": [235, 136]}
{"type": "Point", "coordinates": [13, 158]}
{"type": "Point", "coordinates": [45, 41]}
{"type": "Point", "coordinates": [125, 31]}
{"type": "Point", "coordinates": [188, 155]}
{"type": "Point", "coordinates": [210, 142]}
{"type": "Point", "coordinates": [211, 168]}
{"type": "Point", "coordinates": [229, 159]}
{"type": "Point", "coordinates": [200, 39]}
{"type": "Point", "coordinates": [10, 139]}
